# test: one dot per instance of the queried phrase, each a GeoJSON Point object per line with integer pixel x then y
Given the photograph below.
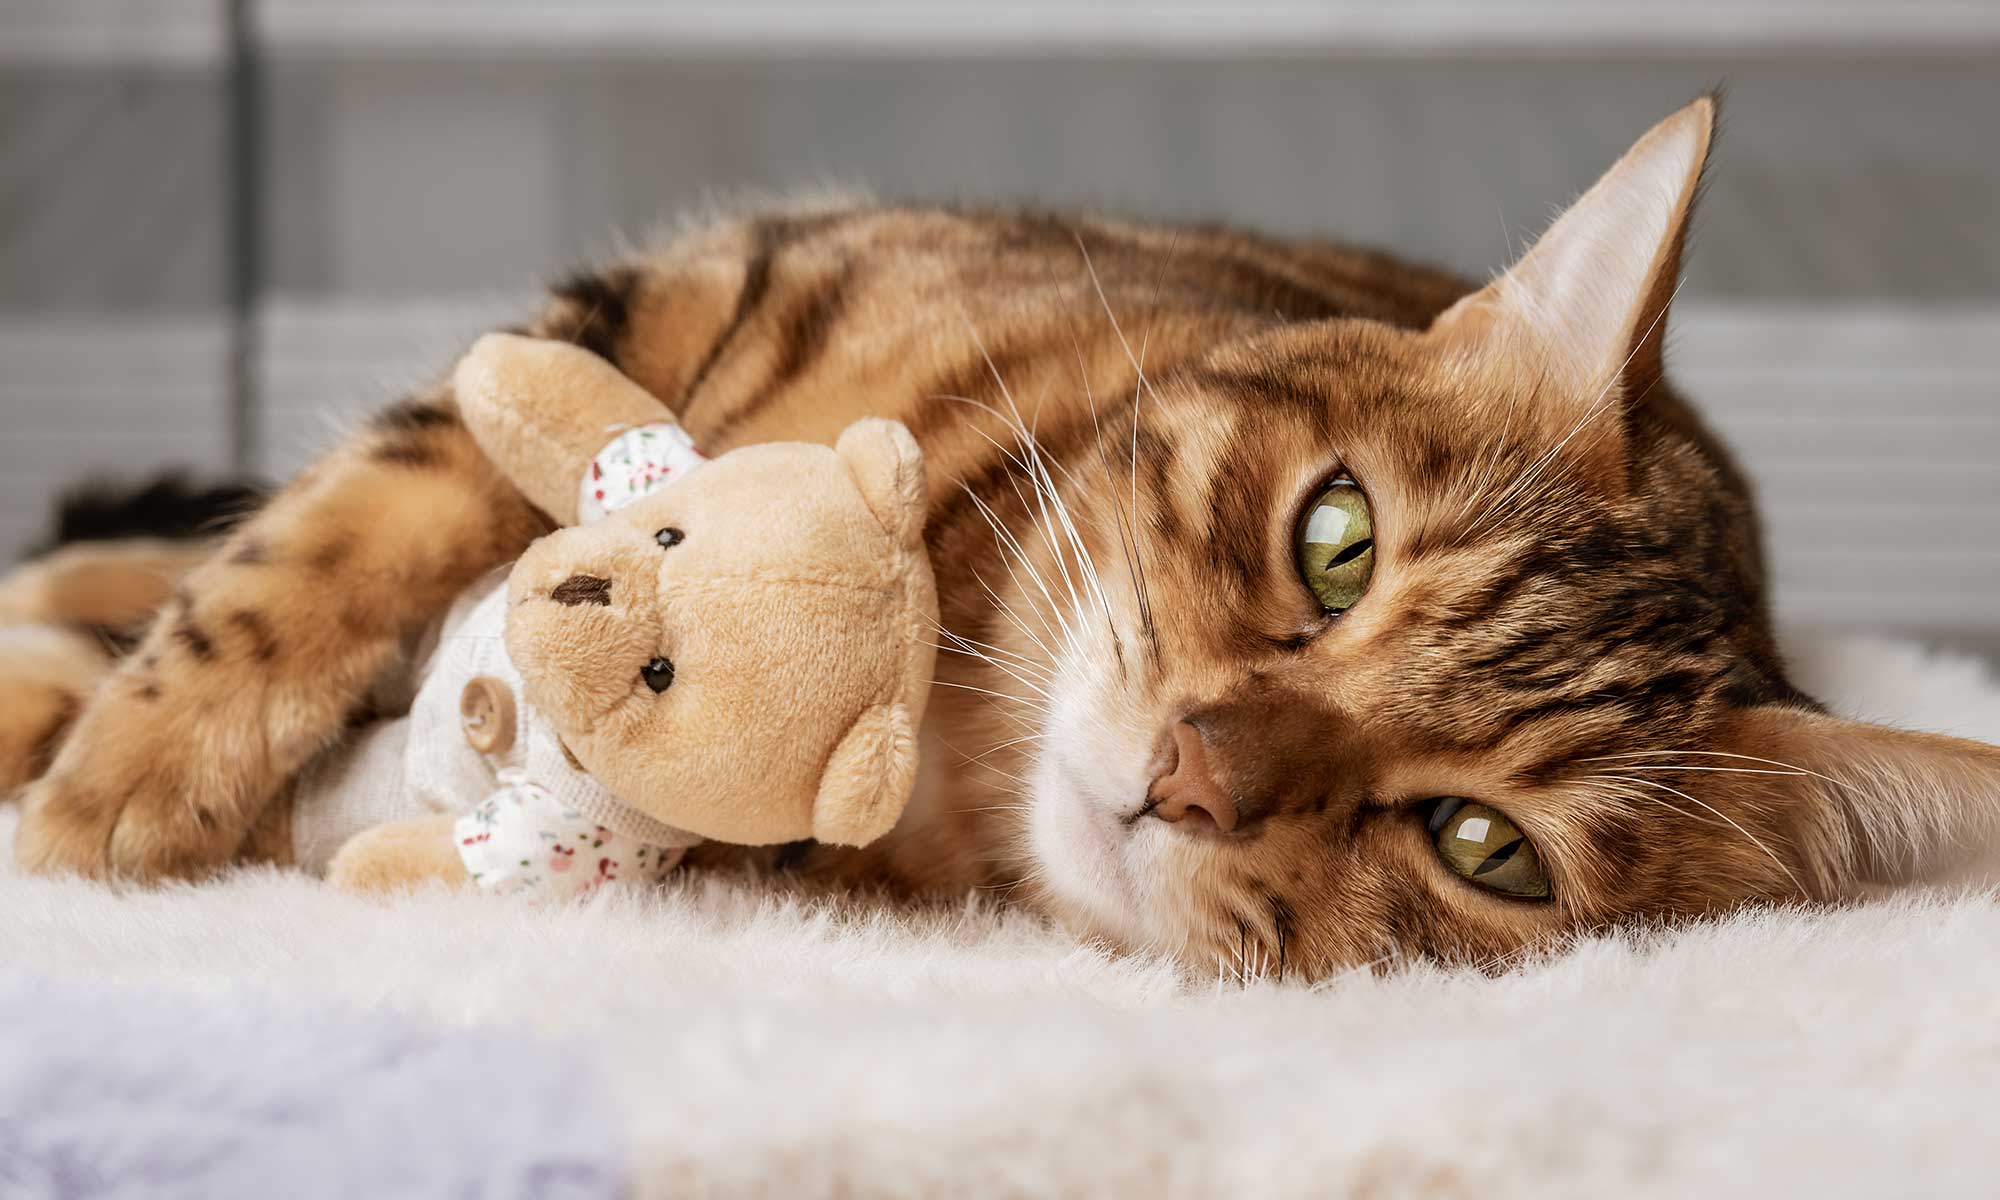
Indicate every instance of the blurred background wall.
{"type": "Point", "coordinates": [227, 228]}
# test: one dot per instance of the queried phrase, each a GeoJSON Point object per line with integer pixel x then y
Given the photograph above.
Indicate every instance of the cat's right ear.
{"type": "Point", "coordinates": [1589, 301]}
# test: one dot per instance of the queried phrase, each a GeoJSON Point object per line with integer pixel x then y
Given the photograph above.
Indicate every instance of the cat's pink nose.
{"type": "Point", "coordinates": [1186, 792]}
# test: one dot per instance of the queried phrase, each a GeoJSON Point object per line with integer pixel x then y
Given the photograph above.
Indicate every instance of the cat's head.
{"type": "Point", "coordinates": [1445, 641]}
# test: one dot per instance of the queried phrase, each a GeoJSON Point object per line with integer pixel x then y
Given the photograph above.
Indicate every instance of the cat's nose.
{"type": "Point", "coordinates": [1186, 793]}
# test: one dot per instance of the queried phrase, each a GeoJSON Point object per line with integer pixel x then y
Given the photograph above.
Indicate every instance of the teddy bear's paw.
{"type": "Point", "coordinates": [399, 857]}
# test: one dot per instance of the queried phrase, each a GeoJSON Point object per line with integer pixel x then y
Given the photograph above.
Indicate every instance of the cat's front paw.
{"type": "Point", "coordinates": [78, 822]}
{"type": "Point", "coordinates": [135, 794]}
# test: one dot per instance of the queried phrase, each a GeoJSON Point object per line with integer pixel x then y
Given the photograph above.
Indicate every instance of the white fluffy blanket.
{"type": "Point", "coordinates": [745, 1042]}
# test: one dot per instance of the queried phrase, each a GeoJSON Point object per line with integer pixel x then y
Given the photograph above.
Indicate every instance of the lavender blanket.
{"type": "Point", "coordinates": [149, 1092]}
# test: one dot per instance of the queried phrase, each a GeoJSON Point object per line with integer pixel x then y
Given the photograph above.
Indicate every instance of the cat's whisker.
{"type": "Point", "coordinates": [1125, 534]}
{"type": "Point", "coordinates": [1006, 610]}
{"type": "Point", "coordinates": [1051, 615]}
{"type": "Point", "coordinates": [1032, 875]}
{"type": "Point", "coordinates": [1139, 387]}
{"type": "Point", "coordinates": [1769, 762]}
{"type": "Point", "coordinates": [1006, 745]}
{"type": "Point", "coordinates": [973, 687]}
{"type": "Point", "coordinates": [1541, 494]}
{"type": "Point", "coordinates": [1048, 539]}
{"type": "Point", "coordinates": [1025, 436]}
{"type": "Point", "coordinates": [1051, 495]}
{"type": "Point", "coordinates": [1006, 535]}
{"type": "Point", "coordinates": [1748, 836]}
{"type": "Point", "coordinates": [1479, 491]}
{"type": "Point", "coordinates": [1013, 777]}
{"type": "Point", "coordinates": [1024, 713]}
{"type": "Point", "coordinates": [1005, 890]}
{"type": "Point", "coordinates": [983, 649]}
{"type": "Point", "coordinates": [1090, 268]}
{"type": "Point", "coordinates": [974, 645]}
{"type": "Point", "coordinates": [1038, 477]}
{"type": "Point", "coordinates": [997, 665]}
{"type": "Point", "coordinates": [1677, 767]}
{"type": "Point", "coordinates": [1037, 467]}
{"type": "Point", "coordinates": [1007, 541]}
{"type": "Point", "coordinates": [1021, 671]}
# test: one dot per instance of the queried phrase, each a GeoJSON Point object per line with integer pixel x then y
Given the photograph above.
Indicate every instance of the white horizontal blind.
{"type": "Point", "coordinates": [1191, 27]}
{"type": "Point", "coordinates": [104, 396]}
{"type": "Point", "coordinates": [98, 33]}
{"type": "Point", "coordinates": [1874, 438]}
{"type": "Point", "coordinates": [322, 366]}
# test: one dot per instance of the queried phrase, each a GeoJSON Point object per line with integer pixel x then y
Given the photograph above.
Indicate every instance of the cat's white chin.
{"type": "Point", "coordinates": [1100, 870]}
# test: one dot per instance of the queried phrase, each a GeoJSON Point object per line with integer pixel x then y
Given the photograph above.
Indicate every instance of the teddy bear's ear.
{"type": "Point", "coordinates": [889, 469]}
{"type": "Point", "coordinates": [868, 778]}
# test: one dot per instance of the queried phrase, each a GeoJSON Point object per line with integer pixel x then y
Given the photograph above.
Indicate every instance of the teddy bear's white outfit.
{"type": "Point", "coordinates": [532, 820]}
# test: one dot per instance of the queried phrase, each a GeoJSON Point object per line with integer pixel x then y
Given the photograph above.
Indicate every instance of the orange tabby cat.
{"type": "Point", "coordinates": [1308, 607]}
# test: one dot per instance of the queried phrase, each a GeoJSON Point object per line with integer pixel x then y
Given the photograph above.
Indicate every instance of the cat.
{"type": "Point", "coordinates": [1300, 606]}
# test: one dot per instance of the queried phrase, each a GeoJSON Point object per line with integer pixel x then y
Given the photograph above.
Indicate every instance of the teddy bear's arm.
{"type": "Point", "coordinates": [541, 410]}
{"type": "Point", "coordinates": [400, 856]}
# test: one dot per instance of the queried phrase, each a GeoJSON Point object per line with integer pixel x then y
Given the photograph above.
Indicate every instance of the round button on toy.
{"type": "Point", "coordinates": [486, 714]}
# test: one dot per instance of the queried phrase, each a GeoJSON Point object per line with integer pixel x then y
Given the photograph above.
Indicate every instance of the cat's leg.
{"type": "Point", "coordinates": [46, 674]}
{"type": "Point", "coordinates": [115, 586]}
{"type": "Point", "coordinates": [257, 660]}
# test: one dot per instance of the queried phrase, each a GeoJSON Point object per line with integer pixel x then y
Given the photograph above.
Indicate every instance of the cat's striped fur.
{"type": "Point", "coordinates": [1121, 422]}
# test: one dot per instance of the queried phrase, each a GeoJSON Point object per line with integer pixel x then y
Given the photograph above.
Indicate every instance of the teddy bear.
{"type": "Point", "coordinates": [737, 649]}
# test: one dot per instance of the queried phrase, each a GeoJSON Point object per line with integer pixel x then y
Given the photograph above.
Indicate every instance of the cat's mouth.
{"type": "Point", "coordinates": [1132, 818]}
{"type": "Point", "coordinates": [1082, 835]}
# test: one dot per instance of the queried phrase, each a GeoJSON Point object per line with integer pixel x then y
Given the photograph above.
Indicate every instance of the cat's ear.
{"type": "Point", "coordinates": [1589, 300]}
{"type": "Point", "coordinates": [1857, 807]}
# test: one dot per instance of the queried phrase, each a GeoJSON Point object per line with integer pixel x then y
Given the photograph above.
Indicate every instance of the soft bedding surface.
{"type": "Point", "coordinates": [265, 1036]}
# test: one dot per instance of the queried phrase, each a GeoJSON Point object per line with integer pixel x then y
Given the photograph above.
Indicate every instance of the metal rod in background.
{"type": "Point", "coordinates": [245, 183]}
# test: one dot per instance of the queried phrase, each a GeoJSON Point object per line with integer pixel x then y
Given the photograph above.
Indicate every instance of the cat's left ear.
{"type": "Point", "coordinates": [1589, 300]}
{"type": "Point", "coordinates": [1856, 807]}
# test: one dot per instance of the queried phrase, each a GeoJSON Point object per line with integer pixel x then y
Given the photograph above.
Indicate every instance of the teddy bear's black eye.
{"type": "Point", "coordinates": [669, 537]}
{"type": "Point", "coordinates": [659, 674]}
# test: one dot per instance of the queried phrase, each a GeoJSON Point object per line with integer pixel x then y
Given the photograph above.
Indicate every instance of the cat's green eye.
{"type": "Point", "coordinates": [1478, 843]}
{"type": "Point", "coordinates": [1336, 546]}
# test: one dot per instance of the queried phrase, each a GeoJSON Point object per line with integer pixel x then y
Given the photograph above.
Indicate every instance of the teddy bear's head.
{"type": "Point", "coordinates": [745, 653]}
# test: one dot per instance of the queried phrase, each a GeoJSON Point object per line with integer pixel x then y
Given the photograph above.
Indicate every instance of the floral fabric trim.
{"type": "Point", "coordinates": [521, 839]}
{"type": "Point", "coordinates": [636, 463]}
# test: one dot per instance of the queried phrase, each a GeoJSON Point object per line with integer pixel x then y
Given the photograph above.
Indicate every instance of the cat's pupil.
{"type": "Point", "coordinates": [1354, 550]}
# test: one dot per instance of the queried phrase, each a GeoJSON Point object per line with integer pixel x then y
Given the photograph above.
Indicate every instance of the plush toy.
{"type": "Point", "coordinates": [737, 649]}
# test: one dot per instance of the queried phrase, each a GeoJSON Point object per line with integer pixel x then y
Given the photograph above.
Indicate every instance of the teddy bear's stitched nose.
{"type": "Point", "coordinates": [582, 589]}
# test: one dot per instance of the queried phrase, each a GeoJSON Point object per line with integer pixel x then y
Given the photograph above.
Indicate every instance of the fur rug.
{"type": "Point", "coordinates": [727, 1038]}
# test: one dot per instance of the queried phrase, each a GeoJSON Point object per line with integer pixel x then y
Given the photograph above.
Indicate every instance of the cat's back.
{"type": "Point", "coordinates": [814, 315]}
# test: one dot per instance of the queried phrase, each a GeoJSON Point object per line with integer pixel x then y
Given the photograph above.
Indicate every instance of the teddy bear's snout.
{"type": "Point", "coordinates": [582, 589]}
